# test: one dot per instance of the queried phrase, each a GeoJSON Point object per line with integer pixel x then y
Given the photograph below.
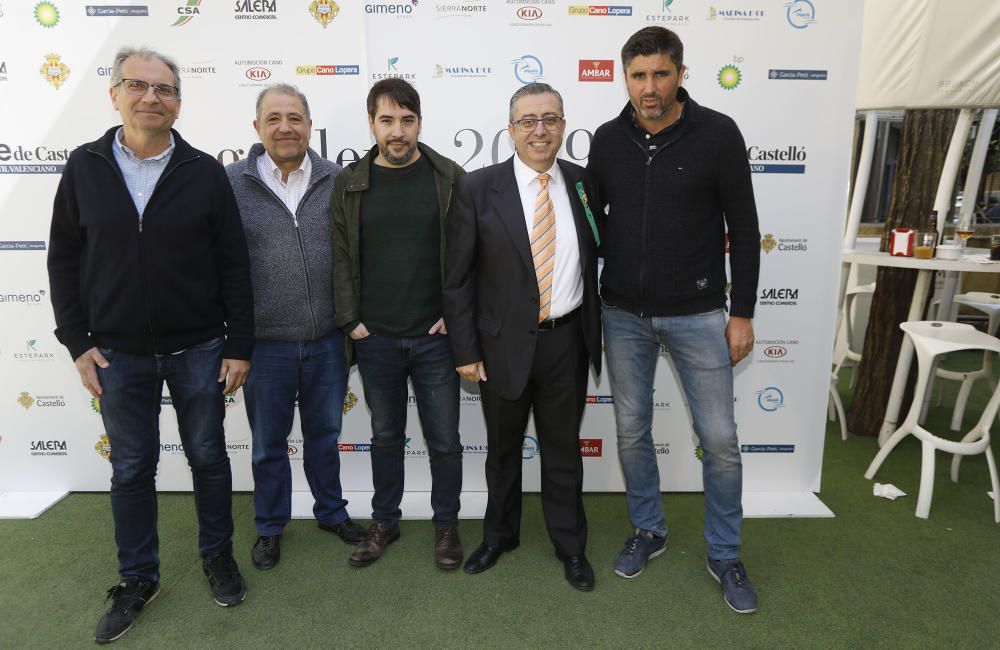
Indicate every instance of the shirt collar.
{"type": "Point", "coordinates": [120, 144]}
{"type": "Point", "coordinates": [525, 175]}
{"type": "Point", "coordinates": [305, 167]}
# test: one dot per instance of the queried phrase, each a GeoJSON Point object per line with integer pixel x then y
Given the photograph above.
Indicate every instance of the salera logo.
{"type": "Point", "coordinates": [597, 70]}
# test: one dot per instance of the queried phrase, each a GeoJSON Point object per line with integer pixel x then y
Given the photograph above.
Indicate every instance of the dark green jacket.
{"type": "Point", "coordinates": [345, 207]}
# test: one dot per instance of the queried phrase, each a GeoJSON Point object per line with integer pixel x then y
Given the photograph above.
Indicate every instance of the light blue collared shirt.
{"type": "Point", "coordinates": [140, 175]}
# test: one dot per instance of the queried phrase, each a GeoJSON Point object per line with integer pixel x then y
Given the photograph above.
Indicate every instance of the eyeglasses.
{"type": "Point", "coordinates": [139, 87]}
{"type": "Point", "coordinates": [528, 124]}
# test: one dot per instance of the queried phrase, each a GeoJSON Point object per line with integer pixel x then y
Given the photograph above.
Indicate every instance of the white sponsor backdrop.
{"type": "Point", "coordinates": [786, 71]}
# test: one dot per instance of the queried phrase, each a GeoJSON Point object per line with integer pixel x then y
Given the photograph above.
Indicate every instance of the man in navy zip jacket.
{"type": "Point", "coordinates": [150, 283]}
{"type": "Point", "coordinates": [675, 179]}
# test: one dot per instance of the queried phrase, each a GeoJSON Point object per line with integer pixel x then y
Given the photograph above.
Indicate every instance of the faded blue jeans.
{"type": "Point", "coordinates": [700, 353]}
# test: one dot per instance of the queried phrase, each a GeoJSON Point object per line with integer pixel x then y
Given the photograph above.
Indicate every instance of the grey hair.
{"type": "Point", "coordinates": [537, 88]}
{"type": "Point", "coordinates": [143, 53]}
{"type": "Point", "coordinates": [284, 89]}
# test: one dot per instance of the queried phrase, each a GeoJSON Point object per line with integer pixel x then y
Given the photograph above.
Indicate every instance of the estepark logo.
{"type": "Point", "coordinates": [528, 69]}
{"type": "Point", "coordinates": [32, 353]}
{"type": "Point", "coordinates": [28, 159]}
{"type": "Point", "coordinates": [412, 453]}
{"type": "Point", "coordinates": [770, 399]}
{"type": "Point", "coordinates": [778, 297]}
{"type": "Point", "coordinates": [256, 10]}
{"type": "Point", "coordinates": [34, 298]}
{"type": "Point", "coordinates": [117, 11]}
{"type": "Point", "coordinates": [600, 10]}
{"type": "Point", "coordinates": [600, 399]}
{"type": "Point", "coordinates": [186, 13]}
{"type": "Point", "coordinates": [591, 447]}
{"type": "Point", "coordinates": [333, 70]}
{"type": "Point", "coordinates": [667, 16]}
{"type": "Point", "coordinates": [398, 10]}
{"type": "Point", "coordinates": [800, 13]}
{"type": "Point", "coordinates": [777, 160]}
{"type": "Point", "coordinates": [597, 70]}
{"type": "Point", "coordinates": [392, 71]}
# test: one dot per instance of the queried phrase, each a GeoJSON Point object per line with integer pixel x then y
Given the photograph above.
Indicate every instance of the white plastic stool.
{"type": "Point", "coordinates": [835, 410]}
{"type": "Point", "coordinates": [930, 339]}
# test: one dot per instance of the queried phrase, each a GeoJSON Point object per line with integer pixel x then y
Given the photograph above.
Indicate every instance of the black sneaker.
{"type": "Point", "coordinates": [228, 586]}
{"type": "Point", "coordinates": [266, 552]}
{"type": "Point", "coordinates": [127, 598]}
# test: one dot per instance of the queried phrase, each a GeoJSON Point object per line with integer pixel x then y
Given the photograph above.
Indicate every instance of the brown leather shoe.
{"type": "Point", "coordinates": [373, 545]}
{"type": "Point", "coordinates": [448, 548]}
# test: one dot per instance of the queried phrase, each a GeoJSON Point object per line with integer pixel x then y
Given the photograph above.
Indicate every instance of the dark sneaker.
{"type": "Point", "coordinates": [737, 591]}
{"type": "Point", "coordinates": [448, 548]}
{"type": "Point", "coordinates": [127, 598]}
{"type": "Point", "coordinates": [228, 586]}
{"type": "Point", "coordinates": [373, 545]}
{"type": "Point", "coordinates": [266, 552]}
{"type": "Point", "coordinates": [641, 547]}
{"type": "Point", "coordinates": [347, 530]}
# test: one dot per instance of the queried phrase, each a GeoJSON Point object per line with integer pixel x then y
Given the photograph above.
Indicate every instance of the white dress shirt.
{"type": "Point", "coordinates": [567, 279]}
{"type": "Point", "coordinates": [291, 191]}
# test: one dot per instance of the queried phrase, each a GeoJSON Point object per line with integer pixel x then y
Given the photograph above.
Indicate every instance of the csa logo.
{"type": "Point", "coordinates": [767, 243]}
{"type": "Point", "coordinates": [54, 71]}
{"type": "Point", "coordinates": [324, 11]}
{"type": "Point", "coordinates": [729, 77]}
{"type": "Point", "coordinates": [25, 400]}
{"type": "Point", "coordinates": [47, 14]}
{"type": "Point", "coordinates": [103, 447]}
{"type": "Point", "coordinates": [350, 400]}
{"type": "Point", "coordinates": [187, 13]}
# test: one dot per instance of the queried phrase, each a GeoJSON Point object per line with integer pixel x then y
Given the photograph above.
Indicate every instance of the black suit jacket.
{"type": "Point", "coordinates": [490, 290]}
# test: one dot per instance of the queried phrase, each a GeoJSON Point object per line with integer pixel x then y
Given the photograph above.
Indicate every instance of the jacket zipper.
{"type": "Point", "coordinates": [644, 222]}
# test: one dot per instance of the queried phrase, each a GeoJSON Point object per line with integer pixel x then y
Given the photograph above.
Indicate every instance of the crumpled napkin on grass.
{"type": "Point", "coordinates": [887, 491]}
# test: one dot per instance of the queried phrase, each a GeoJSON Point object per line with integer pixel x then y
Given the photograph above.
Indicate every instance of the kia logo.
{"type": "Point", "coordinates": [529, 13]}
{"type": "Point", "coordinates": [258, 74]}
{"type": "Point", "coordinates": [292, 450]}
{"type": "Point", "coordinates": [775, 351]}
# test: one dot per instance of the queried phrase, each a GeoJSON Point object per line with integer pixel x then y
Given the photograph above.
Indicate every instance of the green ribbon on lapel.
{"type": "Point", "coordinates": [590, 215]}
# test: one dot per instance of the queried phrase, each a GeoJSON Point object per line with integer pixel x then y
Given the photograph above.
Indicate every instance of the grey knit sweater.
{"type": "Point", "coordinates": [291, 266]}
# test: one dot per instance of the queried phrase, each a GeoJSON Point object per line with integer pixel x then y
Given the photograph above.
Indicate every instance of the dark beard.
{"type": "Point", "coordinates": [398, 160]}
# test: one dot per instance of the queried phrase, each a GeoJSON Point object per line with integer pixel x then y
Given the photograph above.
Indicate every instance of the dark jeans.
{"type": "Point", "coordinates": [385, 363]}
{"type": "Point", "coordinates": [316, 373]}
{"type": "Point", "coordinates": [130, 407]}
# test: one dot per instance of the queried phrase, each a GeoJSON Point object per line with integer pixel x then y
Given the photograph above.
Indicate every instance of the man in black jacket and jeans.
{"type": "Point", "coordinates": [675, 178]}
{"type": "Point", "coordinates": [150, 283]}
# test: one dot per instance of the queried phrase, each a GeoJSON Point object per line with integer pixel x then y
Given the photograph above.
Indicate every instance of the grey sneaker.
{"type": "Point", "coordinates": [737, 590]}
{"type": "Point", "coordinates": [641, 547]}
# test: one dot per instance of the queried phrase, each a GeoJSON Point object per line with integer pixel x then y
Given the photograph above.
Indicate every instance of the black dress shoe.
{"type": "Point", "coordinates": [266, 552]}
{"type": "Point", "coordinates": [485, 556]}
{"type": "Point", "coordinates": [578, 571]}
{"type": "Point", "coordinates": [347, 530]}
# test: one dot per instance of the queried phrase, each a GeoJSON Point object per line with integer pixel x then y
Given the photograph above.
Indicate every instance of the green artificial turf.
{"type": "Point", "coordinates": [874, 576]}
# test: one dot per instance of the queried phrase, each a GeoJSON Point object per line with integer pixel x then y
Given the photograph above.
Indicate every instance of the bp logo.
{"type": "Point", "coordinates": [768, 243]}
{"type": "Point", "coordinates": [95, 403]}
{"type": "Point", "coordinates": [103, 447]}
{"type": "Point", "coordinates": [25, 400]}
{"type": "Point", "coordinates": [729, 77]}
{"type": "Point", "coordinates": [350, 401]}
{"type": "Point", "coordinates": [699, 454]}
{"type": "Point", "coordinates": [54, 70]}
{"type": "Point", "coordinates": [47, 14]}
{"type": "Point", "coordinates": [324, 11]}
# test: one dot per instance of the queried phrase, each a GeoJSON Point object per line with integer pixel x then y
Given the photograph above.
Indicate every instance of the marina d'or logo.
{"type": "Point", "coordinates": [350, 400]}
{"type": "Point", "coordinates": [324, 11]}
{"type": "Point", "coordinates": [767, 243]}
{"type": "Point", "coordinates": [54, 70]}
{"type": "Point", "coordinates": [729, 77]}
{"type": "Point", "coordinates": [25, 400]}
{"type": "Point", "coordinates": [103, 447]}
{"type": "Point", "coordinates": [47, 14]}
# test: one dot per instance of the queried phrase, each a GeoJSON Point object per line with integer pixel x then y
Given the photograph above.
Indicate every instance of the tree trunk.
{"type": "Point", "coordinates": [922, 148]}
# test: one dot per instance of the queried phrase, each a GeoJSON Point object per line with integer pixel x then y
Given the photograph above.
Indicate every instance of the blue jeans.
{"type": "Point", "coordinates": [130, 408]}
{"type": "Point", "coordinates": [700, 353]}
{"type": "Point", "coordinates": [385, 363]}
{"type": "Point", "coordinates": [315, 372]}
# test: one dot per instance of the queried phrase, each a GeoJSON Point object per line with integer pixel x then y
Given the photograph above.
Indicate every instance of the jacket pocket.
{"type": "Point", "coordinates": [488, 325]}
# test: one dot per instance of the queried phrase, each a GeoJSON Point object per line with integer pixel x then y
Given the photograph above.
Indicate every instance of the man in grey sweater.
{"type": "Point", "coordinates": [283, 190]}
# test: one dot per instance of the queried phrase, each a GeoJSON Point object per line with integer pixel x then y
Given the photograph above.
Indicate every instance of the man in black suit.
{"type": "Point", "coordinates": [521, 305]}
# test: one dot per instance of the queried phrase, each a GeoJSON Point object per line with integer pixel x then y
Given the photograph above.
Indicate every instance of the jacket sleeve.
{"type": "Point", "coordinates": [233, 263]}
{"type": "Point", "coordinates": [346, 301]}
{"type": "Point", "coordinates": [735, 190]}
{"type": "Point", "coordinates": [66, 250]}
{"type": "Point", "coordinates": [459, 295]}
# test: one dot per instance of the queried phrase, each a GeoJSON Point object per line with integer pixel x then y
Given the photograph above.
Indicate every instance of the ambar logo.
{"type": "Point", "coordinates": [591, 447]}
{"type": "Point", "coordinates": [597, 70]}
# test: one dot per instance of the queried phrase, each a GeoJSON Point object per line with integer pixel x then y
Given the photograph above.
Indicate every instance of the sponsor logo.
{"type": "Point", "coordinates": [292, 450]}
{"type": "Point", "coordinates": [230, 399]}
{"type": "Point", "coordinates": [95, 404]}
{"type": "Point", "coordinates": [776, 350]}
{"type": "Point", "coordinates": [324, 11]}
{"type": "Point", "coordinates": [187, 12]}
{"type": "Point", "coordinates": [197, 70]}
{"type": "Point", "coordinates": [256, 72]}
{"type": "Point", "coordinates": [530, 449]}
{"type": "Point", "coordinates": [768, 243]}
{"type": "Point", "coordinates": [328, 70]}
{"type": "Point", "coordinates": [117, 11]}
{"type": "Point", "coordinates": [31, 298]}
{"type": "Point", "coordinates": [104, 71]}
{"type": "Point", "coordinates": [48, 448]}
{"type": "Point", "coordinates": [698, 453]}
{"type": "Point", "coordinates": [20, 245]}
{"type": "Point", "coordinates": [600, 399]}
{"type": "Point", "coordinates": [800, 13]}
{"type": "Point", "coordinates": [743, 14]}
{"type": "Point", "coordinates": [528, 69]}
{"type": "Point", "coordinates": [350, 401]}
{"type": "Point", "coordinates": [600, 10]}
{"type": "Point", "coordinates": [529, 13]}
{"type": "Point", "coordinates": [797, 75]}
{"type": "Point", "coordinates": [25, 400]}
{"type": "Point", "coordinates": [787, 160]}
{"type": "Point", "coordinates": [350, 447]}
{"type": "Point", "coordinates": [47, 14]}
{"type": "Point", "coordinates": [667, 16]}
{"type": "Point", "coordinates": [3, 71]}
{"type": "Point", "coordinates": [461, 71]}
{"type": "Point", "coordinates": [956, 85]}
{"type": "Point", "coordinates": [103, 447]}
{"type": "Point", "coordinates": [31, 353]}
{"type": "Point", "coordinates": [770, 399]}
{"type": "Point", "coordinates": [779, 297]}
{"type": "Point", "coordinates": [662, 448]}
{"type": "Point", "coordinates": [398, 10]}
{"type": "Point", "coordinates": [470, 399]}
{"type": "Point", "coordinates": [465, 9]}
{"type": "Point", "coordinates": [256, 10]}
{"type": "Point", "coordinates": [392, 71]}
{"type": "Point", "coordinates": [54, 71]}
{"type": "Point", "coordinates": [591, 447]}
{"type": "Point", "coordinates": [412, 453]}
{"type": "Point", "coordinates": [597, 70]}
{"type": "Point", "coordinates": [767, 449]}
{"type": "Point", "coordinates": [729, 77]}
{"type": "Point", "coordinates": [41, 401]}
{"type": "Point", "coordinates": [20, 159]}
{"type": "Point", "coordinates": [475, 449]}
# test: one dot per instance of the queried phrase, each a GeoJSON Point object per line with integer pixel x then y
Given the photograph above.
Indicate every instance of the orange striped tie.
{"type": "Point", "coordinates": [543, 246]}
